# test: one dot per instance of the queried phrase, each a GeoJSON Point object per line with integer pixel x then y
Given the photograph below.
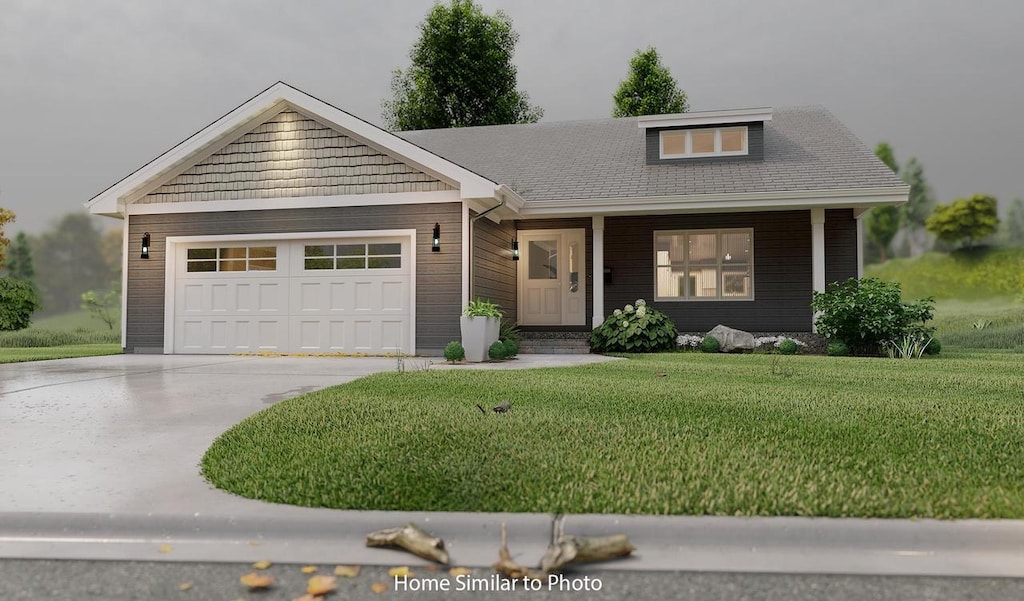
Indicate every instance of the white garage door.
{"type": "Point", "coordinates": [348, 295]}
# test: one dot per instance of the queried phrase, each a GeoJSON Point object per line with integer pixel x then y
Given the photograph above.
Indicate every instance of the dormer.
{"type": "Point", "coordinates": [698, 137]}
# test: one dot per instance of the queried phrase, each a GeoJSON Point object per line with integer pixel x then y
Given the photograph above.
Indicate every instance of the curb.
{"type": "Point", "coordinates": [680, 543]}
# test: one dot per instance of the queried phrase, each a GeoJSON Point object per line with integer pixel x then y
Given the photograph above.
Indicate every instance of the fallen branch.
{"type": "Point", "coordinates": [412, 539]}
{"type": "Point", "coordinates": [584, 549]}
{"type": "Point", "coordinates": [508, 568]}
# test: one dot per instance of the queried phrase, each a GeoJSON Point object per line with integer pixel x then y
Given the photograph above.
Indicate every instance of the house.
{"type": "Point", "coordinates": [289, 225]}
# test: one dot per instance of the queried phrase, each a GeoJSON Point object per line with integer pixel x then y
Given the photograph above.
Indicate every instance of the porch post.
{"type": "Point", "coordinates": [598, 269]}
{"type": "Point", "coordinates": [858, 215]}
{"type": "Point", "coordinates": [817, 253]}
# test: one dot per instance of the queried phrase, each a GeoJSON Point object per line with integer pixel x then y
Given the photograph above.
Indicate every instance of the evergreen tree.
{"type": "Point", "coordinates": [19, 260]}
{"type": "Point", "coordinates": [649, 88]}
{"type": "Point", "coordinates": [461, 73]}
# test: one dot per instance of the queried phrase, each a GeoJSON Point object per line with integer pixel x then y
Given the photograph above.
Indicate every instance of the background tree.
{"type": "Point", "coordinates": [649, 89]}
{"type": "Point", "coordinates": [461, 73]}
{"type": "Point", "coordinates": [920, 205]}
{"type": "Point", "coordinates": [882, 223]}
{"type": "Point", "coordinates": [1013, 225]}
{"type": "Point", "coordinates": [69, 262]}
{"type": "Point", "coordinates": [967, 219]}
{"type": "Point", "coordinates": [6, 216]}
{"type": "Point", "coordinates": [19, 260]}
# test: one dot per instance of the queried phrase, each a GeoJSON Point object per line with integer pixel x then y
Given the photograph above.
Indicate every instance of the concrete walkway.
{"type": "Point", "coordinates": [98, 460]}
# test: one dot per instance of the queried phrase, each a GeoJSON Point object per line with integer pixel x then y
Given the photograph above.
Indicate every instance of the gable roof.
{"type": "Point", "coordinates": [807, 151]}
{"type": "Point", "coordinates": [259, 109]}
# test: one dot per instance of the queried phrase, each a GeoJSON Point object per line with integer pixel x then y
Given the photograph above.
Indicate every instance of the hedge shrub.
{"type": "Point", "coordinates": [634, 329]}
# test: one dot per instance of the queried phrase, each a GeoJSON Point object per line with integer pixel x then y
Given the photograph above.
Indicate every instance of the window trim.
{"type": "Point", "coordinates": [719, 232]}
{"type": "Point", "coordinates": [688, 143]}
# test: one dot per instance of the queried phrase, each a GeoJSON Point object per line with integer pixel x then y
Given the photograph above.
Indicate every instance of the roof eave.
{"type": "Point", "coordinates": [707, 203]}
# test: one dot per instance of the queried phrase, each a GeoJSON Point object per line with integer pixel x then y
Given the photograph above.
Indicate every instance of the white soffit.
{"type": "Point", "coordinates": [264, 105]}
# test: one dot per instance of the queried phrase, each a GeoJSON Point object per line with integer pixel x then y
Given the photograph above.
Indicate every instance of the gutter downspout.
{"type": "Point", "coordinates": [472, 238]}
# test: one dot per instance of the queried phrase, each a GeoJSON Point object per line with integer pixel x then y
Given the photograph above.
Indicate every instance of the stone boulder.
{"type": "Point", "coordinates": [732, 339]}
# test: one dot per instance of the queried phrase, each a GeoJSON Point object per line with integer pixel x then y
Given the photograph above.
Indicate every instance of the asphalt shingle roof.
{"type": "Point", "coordinates": [806, 148]}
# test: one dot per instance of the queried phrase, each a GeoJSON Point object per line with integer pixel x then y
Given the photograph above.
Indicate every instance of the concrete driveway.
{"type": "Point", "coordinates": [125, 433]}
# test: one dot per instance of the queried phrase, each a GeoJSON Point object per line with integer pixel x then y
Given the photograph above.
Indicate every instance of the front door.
{"type": "Point", "coordinates": [552, 284]}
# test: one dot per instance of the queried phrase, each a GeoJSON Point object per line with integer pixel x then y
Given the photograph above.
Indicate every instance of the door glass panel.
{"type": "Point", "coordinates": [202, 253]}
{"type": "Point", "coordinates": [384, 262]}
{"type": "Point", "coordinates": [262, 252]}
{"type": "Point", "coordinates": [320, 251]}
{"type": "Point", "coordinates": [543, 259]}
{"type": "Point", "coordinates": [232, 253]}
{"type": "Point", "coordinates": [201, 266]}
{"type": "Point", "coordinates": [574, 267]}
{"type": "Point", "coordinates": [386, 249]}
{"type": "Point", "coordinates": [233, 265]}
{"type": "Point", "coordinates": [352, 263]}
{"type": "Point", "coordinates": [351, 250]}
{"type": "Point", "coordinates": [262, 264]}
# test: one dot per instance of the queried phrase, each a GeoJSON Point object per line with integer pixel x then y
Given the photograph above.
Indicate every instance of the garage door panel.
{"type": "Point", "coordinates": [295, 309]}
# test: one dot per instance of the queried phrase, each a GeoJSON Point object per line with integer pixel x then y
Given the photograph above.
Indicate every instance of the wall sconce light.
{"type": "Point", "coordinates": [145, 245]}
{"type": "Point", "coordinates": [515, 249]}
{"type": "Point", "coordinates": [436, 245]}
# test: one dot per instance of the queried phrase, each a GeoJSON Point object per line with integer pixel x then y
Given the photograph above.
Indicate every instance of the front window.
{"type": "Point", "coordinates": [704, 265]}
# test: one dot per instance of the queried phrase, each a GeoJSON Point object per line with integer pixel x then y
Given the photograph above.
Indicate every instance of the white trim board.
{"type": "Point", "coordinates": [294, 202]}
{"type": "Point", "coordinates": [170, 266]}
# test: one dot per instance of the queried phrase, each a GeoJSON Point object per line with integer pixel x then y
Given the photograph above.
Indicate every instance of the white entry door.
{"type": "Point", "coordinates": [552, 272]}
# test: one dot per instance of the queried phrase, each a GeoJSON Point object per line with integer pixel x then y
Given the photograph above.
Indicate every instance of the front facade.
{"type": "Point", "coordinates": [291, 226]}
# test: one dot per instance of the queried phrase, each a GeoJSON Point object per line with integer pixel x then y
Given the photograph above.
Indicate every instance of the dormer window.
{"type": "Point", "coordinates": [703, 142]}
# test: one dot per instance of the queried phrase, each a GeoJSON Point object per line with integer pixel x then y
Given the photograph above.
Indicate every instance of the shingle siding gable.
{"type": "Point", "coordinates": [293, 155]}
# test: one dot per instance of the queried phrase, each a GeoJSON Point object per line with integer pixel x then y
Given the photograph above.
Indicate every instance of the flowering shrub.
{"type": "Point", "coordinates": [775, 341]}
{"type": "Point", "coordinates": [688, 341]}
{"type": "Point", "coordinates": [634, 328]}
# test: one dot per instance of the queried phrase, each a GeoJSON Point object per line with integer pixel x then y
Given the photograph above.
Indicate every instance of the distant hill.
{"type": "Point", "coordinates": [965, 275]}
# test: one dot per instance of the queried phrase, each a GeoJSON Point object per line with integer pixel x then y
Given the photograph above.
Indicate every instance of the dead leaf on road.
{"type": "Point", "coordinates": [255, 580]}
{"type": "Point", "coordinates": [379, 587]}
{"type": "Point", "coordinates": [261, 564]}
{"type": "Point", "coordinates": [184, 586]}
{"type": "Point", "coordinates": [347, 571]}
{"type": "Point", "coordinates": [308, 597]}
{"type": "Point", "coordinates": [308, 569]}
{"type": "Point", "coordinates": [166, 548]}
{"type": "Point", "coordinates": [400, 572]}
{"type": "Point", "coordinates": [321, 585]}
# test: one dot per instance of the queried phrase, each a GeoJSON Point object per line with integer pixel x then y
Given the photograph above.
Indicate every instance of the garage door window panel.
{"type": "Point", "coordinates": [353, 256]}
{"type": "Point", "coordinates": [231, 259]}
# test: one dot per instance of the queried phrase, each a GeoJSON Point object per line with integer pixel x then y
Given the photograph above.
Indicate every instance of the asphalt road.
{"type": "Point", "coordinates": [54, 580]}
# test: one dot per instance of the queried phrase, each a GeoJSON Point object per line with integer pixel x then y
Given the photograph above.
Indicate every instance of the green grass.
{"type": "Point", "coordinates": [718, 434]}
{"type": "Point", "coordinates": [18, 355]}
{"type": "Point", "coordinates": [976, 275]}
{"type": "Point", "coordinates": [76, 320]}
{"type": "Point", "coordinates": [992, 324]}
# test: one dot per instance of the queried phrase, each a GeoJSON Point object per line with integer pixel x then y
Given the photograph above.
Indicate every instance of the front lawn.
{"type": "Point", "coordinates": [682, 433]}
{"type": "Point", "coordinates": [37, 353]}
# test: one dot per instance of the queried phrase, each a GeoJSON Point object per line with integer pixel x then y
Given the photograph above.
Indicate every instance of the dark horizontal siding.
{"type": "Point", "coordinates": [840, 245]}
{"type": "Point", "coordinates": [438, 275]}
{"type": "Point", "coordinates": [494, 271]}
{"type": "Point", "coordinates": [782, 270]}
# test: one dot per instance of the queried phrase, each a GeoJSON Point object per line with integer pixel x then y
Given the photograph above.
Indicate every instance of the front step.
{"type": "Point", "coordinates": [555, 343]}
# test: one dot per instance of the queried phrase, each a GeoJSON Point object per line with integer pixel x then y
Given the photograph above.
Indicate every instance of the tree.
{"type": "Point", "coordinates": [17, 302]}
{"type": "Point", "coordinates": [19, 260]}
{"type": "Point", "coordinates": [461, 73]}
{"type": "Point", "coordinates": [1013, 225]}
{"type": "Point", "coordinates": [6, 216]}
{"type": "Point", "coordinates": [649, 89]}
{"type": "Point", "coordinates": [103, 306]}
{"type": "Point", "coordinates": [920, 203]}
{"type": "Point", "coordinates": [882, 223]}
{"type": "Point", "coordinates": [885, 153]}
{"type": "Point", "coordinates": [69, 262]}
{"type": "Point", "coordinates": [966, 218]}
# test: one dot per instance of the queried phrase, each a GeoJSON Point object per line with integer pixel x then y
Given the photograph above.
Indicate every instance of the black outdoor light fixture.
{"type": "Point", "coordinates": [436, 246]}
{"type": "Point", "coordinates": [515, 249]}
{"type": "Point", "coordinates": [145, 245]}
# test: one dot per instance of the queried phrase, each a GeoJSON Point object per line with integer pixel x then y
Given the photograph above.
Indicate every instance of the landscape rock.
{"type": "Point", "coordinates": [732, 339]}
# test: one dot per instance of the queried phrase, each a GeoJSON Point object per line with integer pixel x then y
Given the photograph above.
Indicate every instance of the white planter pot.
{"type": "Point", "coordinates": [478, 334]}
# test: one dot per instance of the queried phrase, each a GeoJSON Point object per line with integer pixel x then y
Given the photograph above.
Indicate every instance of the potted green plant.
{"type": "Point", "coordinates": [481, 322]}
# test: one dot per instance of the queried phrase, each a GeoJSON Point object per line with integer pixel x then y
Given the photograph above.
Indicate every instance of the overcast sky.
{"type": "Point", "coordinates": [94, 89]}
